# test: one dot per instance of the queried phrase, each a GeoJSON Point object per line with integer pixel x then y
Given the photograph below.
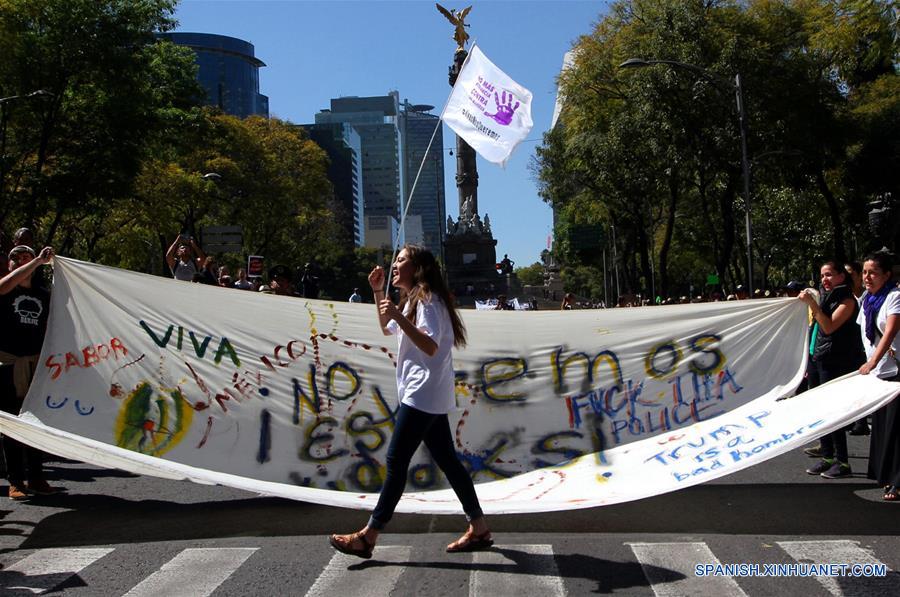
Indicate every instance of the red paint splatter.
{"type": "Point", "coordinates": [209, 423]}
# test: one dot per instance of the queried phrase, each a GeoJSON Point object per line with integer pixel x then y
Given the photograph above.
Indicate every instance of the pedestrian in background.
{"type": "Point", "coordinates": [428, 326]}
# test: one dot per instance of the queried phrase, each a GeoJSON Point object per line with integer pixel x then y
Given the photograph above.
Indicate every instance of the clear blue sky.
{"type": "Point", "coordinates": [317, 50]}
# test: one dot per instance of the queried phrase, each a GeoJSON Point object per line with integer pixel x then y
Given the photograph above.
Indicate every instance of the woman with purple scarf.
{"type": "Point", "coordinates": [879, 321]}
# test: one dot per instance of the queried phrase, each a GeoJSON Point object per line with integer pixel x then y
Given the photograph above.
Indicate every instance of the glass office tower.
{"type": "Point", "coordinates": [228, 70]}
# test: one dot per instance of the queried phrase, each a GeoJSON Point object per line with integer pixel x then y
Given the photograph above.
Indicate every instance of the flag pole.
{"type": "Point", "coordinates": [418, 174]}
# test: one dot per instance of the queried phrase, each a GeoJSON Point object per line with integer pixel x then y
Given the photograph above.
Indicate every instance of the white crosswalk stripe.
{"type": "Point", "coordinates": [194, 572]}
{"type": "Point", "coordinates": [844, 552]}
{"type": "Point", "coordinates": [515, 571]}
{"type": "Point", "coordinates": [670, 568]}
{"type": "Point", "coordinates": [505, 570]}
{"type": "Point", "coordinates": [46, 568]}
{"type": "Point", "coordinates": [365, 581]}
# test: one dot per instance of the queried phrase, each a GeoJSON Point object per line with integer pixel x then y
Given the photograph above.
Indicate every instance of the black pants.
{"type": "Point", "coordinates": [834, 445]}
{"type": "Point", "coordinates": [413, 427]}
{"type": "Point", "coordinates": [22, 462]}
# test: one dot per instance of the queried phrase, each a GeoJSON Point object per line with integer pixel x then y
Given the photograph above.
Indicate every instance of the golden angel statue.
{"type": "Point", "coordinates": [456, 19]}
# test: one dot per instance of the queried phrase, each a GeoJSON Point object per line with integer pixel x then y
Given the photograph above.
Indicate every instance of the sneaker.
{"type": "Point", "coordinates": [820, 467]}
{"type": "Point", "coordinates": [814, 451]}
{"type": "Point", "coordinates": [18, 492]}
{"type": "Point", "coordinates": [837, 470]}
{"type": "Point", "coordinates": [43, 488]}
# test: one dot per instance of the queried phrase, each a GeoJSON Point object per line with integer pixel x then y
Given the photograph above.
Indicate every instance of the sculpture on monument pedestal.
{"type": "Point", "coordinates": [456, 19]}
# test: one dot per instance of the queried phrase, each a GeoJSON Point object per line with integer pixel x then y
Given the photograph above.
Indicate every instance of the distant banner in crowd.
{"type": "Point", "coordinates": [491, 305]}
{"type": "Point", "coordinates": [489, 110]}
{"type": "Point", "coordinates": [297, 398]}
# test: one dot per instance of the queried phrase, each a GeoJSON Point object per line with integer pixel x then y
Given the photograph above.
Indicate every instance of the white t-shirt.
{"type": "Point", "coordinates": [184, 270]}
{"type": "Point", "coordinates": [887, 367]}
{"type": "Point", "coordinates": [427, 382]}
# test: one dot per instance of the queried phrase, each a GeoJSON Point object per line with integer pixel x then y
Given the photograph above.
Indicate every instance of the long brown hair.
{"type": "Point", "coordinates": [428, 279]}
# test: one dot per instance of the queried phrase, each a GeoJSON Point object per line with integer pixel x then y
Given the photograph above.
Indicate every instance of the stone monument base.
{"type": "Point", "coordinates": [471, 264]}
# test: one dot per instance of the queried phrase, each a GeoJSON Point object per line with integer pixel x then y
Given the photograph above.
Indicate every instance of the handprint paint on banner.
{"type": "Point", "coordinates": [488, 109]}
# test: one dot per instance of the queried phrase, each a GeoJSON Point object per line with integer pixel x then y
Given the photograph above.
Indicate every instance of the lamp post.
{"type": "Point", "coordinates": [742, 125]}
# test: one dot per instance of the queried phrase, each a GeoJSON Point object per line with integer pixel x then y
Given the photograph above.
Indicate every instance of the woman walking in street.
{"type": "Point", "coordinates": [428, 327]}
{"type": "Point", "coordinates": [879, 322]}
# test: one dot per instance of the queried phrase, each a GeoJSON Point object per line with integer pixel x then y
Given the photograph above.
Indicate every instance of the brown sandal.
{"type": "Point", "coordinates": [344, 544]}
{"type": "Point", "coordinates": [891, 493]}
{"type": "Point", "coordinates": [471, 542]}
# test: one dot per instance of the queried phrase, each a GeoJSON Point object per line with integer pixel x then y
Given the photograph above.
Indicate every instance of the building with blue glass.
{"type": "Point", "coordinates": [228, 70]}
{"type": "Point", "coordinates": [342, 144]}
{"type": "Point", "coordinates": [426, 219]}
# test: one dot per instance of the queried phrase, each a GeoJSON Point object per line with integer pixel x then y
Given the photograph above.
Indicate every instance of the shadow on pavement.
{"type": "Point", "coordinates": [779, 509]}
{"type": "Point", "coordinates": [608, 574]}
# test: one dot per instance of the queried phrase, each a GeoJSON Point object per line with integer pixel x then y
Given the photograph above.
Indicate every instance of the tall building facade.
{"type": "Point", "coordinates": [228, 70]}
{"type": "Point", "coordinates": [343, 145]}
{"type": "Point", "coordinates": [427, 207]}
{"type": "Point", "coordinates": [376, 120]}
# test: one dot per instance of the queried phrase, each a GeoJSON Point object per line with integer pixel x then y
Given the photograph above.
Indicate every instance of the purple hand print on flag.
{"type": "Point", "coordinates": [505, 109]}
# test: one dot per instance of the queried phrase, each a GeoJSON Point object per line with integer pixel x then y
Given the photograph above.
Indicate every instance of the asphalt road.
{"type": "Point", "coordinates": [114, 533]}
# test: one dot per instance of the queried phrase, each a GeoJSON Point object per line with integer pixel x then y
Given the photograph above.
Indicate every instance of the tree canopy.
{"type": "Point", "coordinates": [654, 154]}
{"type": "Point", "coordinates": [105, 147]}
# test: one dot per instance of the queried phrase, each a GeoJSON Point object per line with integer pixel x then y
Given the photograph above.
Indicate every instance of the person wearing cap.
{"type": "Point", "coordinates": [280, 281]}
{"type": "Point", "coordinates": [24, 310]}
{"type": "Point", "coordinates": [23, 236]}
{"type": "Point", "coordinates": [793, 288]}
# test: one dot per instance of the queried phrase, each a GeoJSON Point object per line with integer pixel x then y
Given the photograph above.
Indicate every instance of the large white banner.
{"type": "Point", "coordinates": [296, 398]}
{"type": "Point", "coordinates": [489, 110]}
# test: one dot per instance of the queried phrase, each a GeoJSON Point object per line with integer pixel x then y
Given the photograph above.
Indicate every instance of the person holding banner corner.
{"type": "Point", "coordinates": [836, 351]}
{"type": "Point", "coordinates": [24, 310]}
{"type": "Point", "coordinates": [428, 327]}
{"type": "Point", "coordinates": [879, 322]}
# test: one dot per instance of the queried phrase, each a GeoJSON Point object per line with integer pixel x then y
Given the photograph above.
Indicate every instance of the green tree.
{"type": "Point", "coordinates": [113, 87]}
{"type": "Point", "coordinates": [531, 275]}
{"type": "Point", "coordinates": [655, 152]}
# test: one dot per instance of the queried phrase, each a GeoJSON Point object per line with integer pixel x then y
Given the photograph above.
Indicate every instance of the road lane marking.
{"type": "Point", "coordinates": [337, 579]}
{"type": "Point", "coordinates": [843, 552]}
{"type": "Point", "coordinates": [194, 572]}
{"type": "Point", "coordinates": [46, 568]}
{"type": "Point", "coordinates": [515, 571]}
{"type": "Point", "coordinates": [670, 569]}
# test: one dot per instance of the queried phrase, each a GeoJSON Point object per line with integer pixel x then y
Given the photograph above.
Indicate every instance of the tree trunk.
{"type": "Point", "coordinates": [840, 252]}
{"type": "Point", "coordinates": [667, 237]}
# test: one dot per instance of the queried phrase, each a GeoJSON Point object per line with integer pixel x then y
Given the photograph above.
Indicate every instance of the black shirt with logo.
{"type": "Point", "coordinates": [23, 320]}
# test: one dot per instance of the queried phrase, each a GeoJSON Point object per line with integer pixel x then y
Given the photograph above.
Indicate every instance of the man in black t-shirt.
{"type": "Point", "coordinates": [24, 309]}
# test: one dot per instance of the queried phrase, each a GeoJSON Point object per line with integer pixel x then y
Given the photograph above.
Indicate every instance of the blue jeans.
{"type": "Point", "coordinates": [414, 426]}
{"type": "Point", "coordinates": [834, 444]}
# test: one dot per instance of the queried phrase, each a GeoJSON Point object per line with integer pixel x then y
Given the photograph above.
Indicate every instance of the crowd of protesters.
{"type": "Point", "coordinates": [188, 262]}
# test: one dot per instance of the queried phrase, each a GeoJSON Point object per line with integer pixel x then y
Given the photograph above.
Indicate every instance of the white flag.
{"type": "Point", "coordinates": [490, 111]}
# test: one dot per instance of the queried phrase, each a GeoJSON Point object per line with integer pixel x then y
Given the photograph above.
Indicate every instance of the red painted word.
{"type": "Point", "coordinates": [87, 357]}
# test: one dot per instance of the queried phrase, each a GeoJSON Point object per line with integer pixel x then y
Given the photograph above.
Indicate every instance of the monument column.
{"type": "Point", "coordinates": [466, 167]}
{"type": "Point", "coordinates": [470, 252]}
